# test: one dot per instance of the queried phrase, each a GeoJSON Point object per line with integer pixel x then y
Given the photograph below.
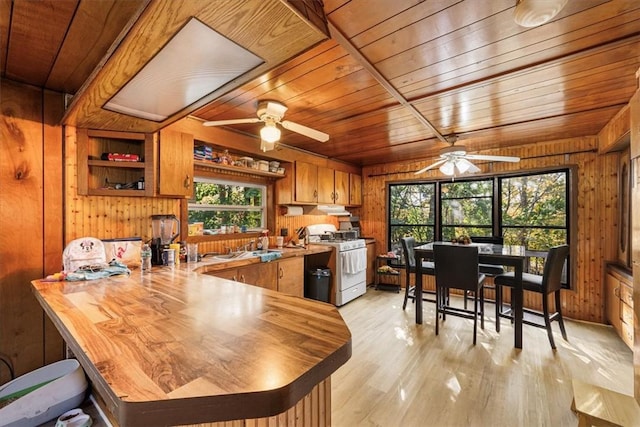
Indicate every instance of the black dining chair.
{"type": "Point", "coordinates": [490, 270]}
{"type": "Point", "coordinates": [456, 267]}
{"type": "Point", "coordinates": [549, 283]}
{"type": "Point", "coordinates": [408, 243]}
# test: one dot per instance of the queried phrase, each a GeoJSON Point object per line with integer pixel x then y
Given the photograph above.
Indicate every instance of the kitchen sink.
{"type": "Point", "coordinates": [235, 255]}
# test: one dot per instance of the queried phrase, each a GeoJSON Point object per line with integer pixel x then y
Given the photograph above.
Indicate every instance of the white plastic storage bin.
{"type": "Point", "coordinates": [43, 394]}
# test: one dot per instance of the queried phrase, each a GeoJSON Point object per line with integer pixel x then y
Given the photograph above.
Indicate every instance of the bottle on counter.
{"type": "Point", "coordinates": [145, 255]}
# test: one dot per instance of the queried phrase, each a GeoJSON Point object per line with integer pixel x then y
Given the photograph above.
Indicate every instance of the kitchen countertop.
{"type": "Point", "coordinates": [182, 347]}
{"type": "Point", "coordinates": [209, 264]}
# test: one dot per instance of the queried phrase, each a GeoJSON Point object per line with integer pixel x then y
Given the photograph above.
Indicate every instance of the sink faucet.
{"type": "Point", "coordinates": [246, 247]}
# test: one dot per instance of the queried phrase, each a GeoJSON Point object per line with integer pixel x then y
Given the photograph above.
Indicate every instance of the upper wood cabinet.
{"type": "Point", "coordinates": [355, 190]}
{"type": "Point", "coordinates": [312, 184]}
{"type": "Point", "coordinates": [306, 183]}
{"type": "Point", "coordinates": [99, 176]}
{"type": "Point", "coordinates": [333, 186]}
{"type": "Point", "coordinates": [175, 164]}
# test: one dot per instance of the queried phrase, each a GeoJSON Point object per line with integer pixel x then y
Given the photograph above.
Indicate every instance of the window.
{"type": "Point", "coordinates": [534, 213]}
{"type": "Point", "coordinates": [532, 210]}
{"type": "Point", "coordinates": [219, 204]}
{"type": "Point", "coordinates": [412, 212]}
{"type": "Point", "coordinates": [467, 208]}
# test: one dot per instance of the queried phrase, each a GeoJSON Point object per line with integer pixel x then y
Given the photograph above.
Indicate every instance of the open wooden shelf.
{"type": "Point", "coordinates": [239, 169]}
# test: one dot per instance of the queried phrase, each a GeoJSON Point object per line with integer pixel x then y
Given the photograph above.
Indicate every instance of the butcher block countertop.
{"type": "Point", "coordinates": [177, 347]}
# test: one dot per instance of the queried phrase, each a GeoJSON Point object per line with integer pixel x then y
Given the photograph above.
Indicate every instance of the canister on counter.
{"type": "Point", "coordinates": [176, 249]}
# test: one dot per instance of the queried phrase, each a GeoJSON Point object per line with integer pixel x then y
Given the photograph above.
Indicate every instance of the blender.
{"type": "Point", "coordinates": [164, 229]}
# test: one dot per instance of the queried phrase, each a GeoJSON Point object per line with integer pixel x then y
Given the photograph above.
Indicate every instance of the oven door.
{"type": "Point", "coordinates": [352, 268]}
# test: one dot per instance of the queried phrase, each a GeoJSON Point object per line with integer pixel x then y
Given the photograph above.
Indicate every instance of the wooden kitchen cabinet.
{"type": "Point", "coordinates": [291, 276]}
{"type": "Point", "coordinates": [306, 183]}
{"type": "Point", "coordinates": [619, 302]}
{"type": "Point", "coordinates": [333, 186]}
{"type": "Point", "coordinates": [262, 275]}
{"type": "Point", "coordinates": [371, 262]}
{"type": "Point", "coordinates": [355, 189]}
{"type": "Point", "coordinates": [175, 164]}
{"type": "Point", "coordinates": [97, 177]}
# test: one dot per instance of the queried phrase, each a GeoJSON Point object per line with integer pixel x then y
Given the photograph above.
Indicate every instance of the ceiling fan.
{"type": "Point", "coordinates": [455, 159]}
{"type": "Point", "coordinates": [271, 113]}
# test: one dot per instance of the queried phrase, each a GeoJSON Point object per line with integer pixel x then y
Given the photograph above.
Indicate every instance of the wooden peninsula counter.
{"type": "Point", "coordinates": [174, 347]}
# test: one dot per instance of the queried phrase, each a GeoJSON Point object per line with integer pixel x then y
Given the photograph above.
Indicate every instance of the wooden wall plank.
{"type": "Point", "coordinates": [21, 242]}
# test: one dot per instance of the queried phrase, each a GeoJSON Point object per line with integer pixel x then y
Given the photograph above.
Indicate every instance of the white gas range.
{"type": "Point", "coordinates": [350, 275]}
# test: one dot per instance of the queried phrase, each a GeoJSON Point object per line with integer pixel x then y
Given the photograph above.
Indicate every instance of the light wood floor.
{"type": "Point", "coordinates": [402, 374]}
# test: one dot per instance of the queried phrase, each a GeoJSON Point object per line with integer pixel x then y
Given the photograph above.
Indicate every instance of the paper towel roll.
{"type": "Point", "coordinates": [293, 211]}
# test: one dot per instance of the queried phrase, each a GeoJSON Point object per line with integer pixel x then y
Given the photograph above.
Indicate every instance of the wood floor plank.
{"type": "Point", "coordinates": [402, 374]}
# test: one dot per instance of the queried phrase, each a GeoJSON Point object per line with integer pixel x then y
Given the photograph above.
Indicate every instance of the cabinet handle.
{"type": "Point", "coordinates": [336, 197]}
{"type": "Point", "coordinates": [281, 275]}
{"type": "Point", "coordinates": [234, 278]}
{"type": "Point", "coordinates": [186, 182]}
{"type": "Point", "coordinates": [315, 193]}
{"type": "Point", "coordinates": [242, 278]}
{"type": "Point", "coordinates": [616, 292]}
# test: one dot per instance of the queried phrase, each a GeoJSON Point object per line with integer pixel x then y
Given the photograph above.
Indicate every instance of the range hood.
{"type": "Point", "coordinates": [336, 210]}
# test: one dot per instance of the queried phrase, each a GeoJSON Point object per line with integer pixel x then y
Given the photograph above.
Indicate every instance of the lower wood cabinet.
{"type": "Point", "coordinates": [619, 302]}
{"type": "Point", "coordinates": [263, 275]}
{"type": "Point", "coordinates": [371, 261]}
{"type": "Point", "coordinates": [284, 275]}
{"type": "Point", "coordinates": [291, 276]}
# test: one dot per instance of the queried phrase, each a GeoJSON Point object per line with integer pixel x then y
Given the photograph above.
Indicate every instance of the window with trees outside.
{"type": "Point", "coordinates": [412, 213]}
{"type": "Point", "coordinates": [531, 210]}
{"type": "Point", "coordinates": [220, 204]}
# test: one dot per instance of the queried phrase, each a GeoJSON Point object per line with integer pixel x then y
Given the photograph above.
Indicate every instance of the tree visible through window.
{"type": "Point", "coordinates": [224, 203]}
{"type": "Point", "coordinates": [412, 213]}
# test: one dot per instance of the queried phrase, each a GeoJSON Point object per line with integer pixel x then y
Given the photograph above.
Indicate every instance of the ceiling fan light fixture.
{"type": "Point", "coordinates": [462, 165]}
{"type": "Point", "coordinates": [266, 145]}
{"type": "Point", "coordinates": [270, 133]}
{"type": "Point", "coordinates": [532, 13]}
{"type": "Point", "coordinates": [448, 168]}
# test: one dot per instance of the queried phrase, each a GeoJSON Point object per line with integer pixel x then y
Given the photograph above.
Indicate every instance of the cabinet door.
{"type": "Point", "coordinates": [613, 302]}
{"type": "Point", "coordinates": [175, 164]}
{"type": "Point", "coordinates": [263, 275]}
{"type": "Point", "coordinates": [355, 189]}
{"type": "Point", "coordinates": [371, 262]}
{"type": "Point", "coordinates": [306, 186]}
{"type": "Point", "coordinates": [231, 274]}
{"type": "Point", "coordinates": [326, 191]}
{"type": "Point", "coordinates": [285, 186]}
{"type": "Point", "coordinates": [291, 276]}
{"type": "Point", "coordinates": [634, 112]}
{"type": "Point", "coordinates": [341, 187]}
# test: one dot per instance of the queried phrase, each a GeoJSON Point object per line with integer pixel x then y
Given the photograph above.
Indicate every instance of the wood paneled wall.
{"type": "Point", "coordinates": [596, 217]}
{"type": "Point", "coordinates": [31, 208]}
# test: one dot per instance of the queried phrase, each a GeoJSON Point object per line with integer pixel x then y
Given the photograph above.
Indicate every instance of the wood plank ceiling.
{"type": "Point", "coordinates": [465, 65]}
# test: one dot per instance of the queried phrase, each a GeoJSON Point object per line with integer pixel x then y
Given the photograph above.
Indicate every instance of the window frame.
{"type": "Point", "coordinates": [264, 188]}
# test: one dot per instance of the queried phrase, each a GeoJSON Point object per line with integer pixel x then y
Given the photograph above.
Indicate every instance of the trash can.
{"type": "Point", "coordinates": [317, 284]}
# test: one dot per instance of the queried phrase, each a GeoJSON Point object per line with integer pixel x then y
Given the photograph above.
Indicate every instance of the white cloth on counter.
{"type": "Point", "coordinates": [354, 261]}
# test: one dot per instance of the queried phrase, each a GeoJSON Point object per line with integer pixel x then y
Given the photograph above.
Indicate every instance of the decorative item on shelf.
{"type": "Point", "coordinates": [118, 157]}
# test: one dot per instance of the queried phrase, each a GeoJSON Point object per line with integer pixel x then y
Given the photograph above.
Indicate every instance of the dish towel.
{"type": "Point", "coordinates": [354, 261]}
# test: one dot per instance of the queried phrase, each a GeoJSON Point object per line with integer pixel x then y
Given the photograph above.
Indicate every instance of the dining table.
{"type": "Point", "coordinates": [488, 253]}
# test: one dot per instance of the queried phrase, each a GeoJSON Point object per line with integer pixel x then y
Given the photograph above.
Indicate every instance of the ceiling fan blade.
{"type": "Point", "coordinates": [230, 122]}
{"type": "Point", "coordinates": [311, 133]}
{"type": "Point", "coordinates": [432, 166]}
{"type": "Point", "coordinates": [493, 158]}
